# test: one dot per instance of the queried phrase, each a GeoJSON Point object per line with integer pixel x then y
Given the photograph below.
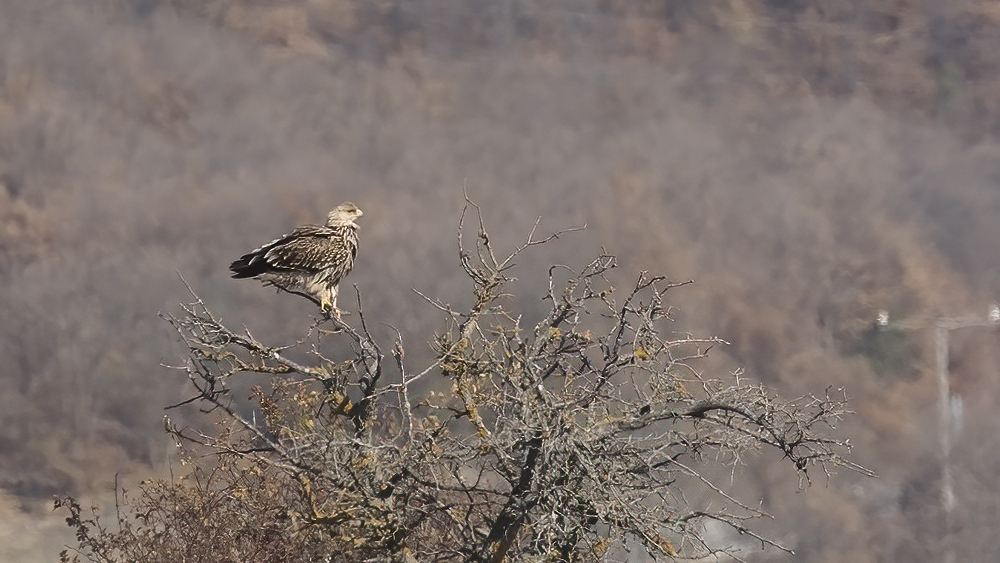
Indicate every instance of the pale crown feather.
{"type": "Point", "coordinates": [344, 214]}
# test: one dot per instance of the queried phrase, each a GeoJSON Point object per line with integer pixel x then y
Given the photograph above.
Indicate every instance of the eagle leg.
{"type": "Point", "coordinates": [328, 303]}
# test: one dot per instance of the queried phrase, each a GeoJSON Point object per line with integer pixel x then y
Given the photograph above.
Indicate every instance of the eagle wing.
{"type": "Point", "coordinates": [310, 252]}
{"type": "Point", "coordinates": [300, 250]}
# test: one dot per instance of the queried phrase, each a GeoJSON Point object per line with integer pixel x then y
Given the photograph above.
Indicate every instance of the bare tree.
{"type": "Point", "coordinates": [583, 436]}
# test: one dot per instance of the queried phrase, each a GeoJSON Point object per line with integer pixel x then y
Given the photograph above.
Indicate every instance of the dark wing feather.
{"type": "Point", "coordinates": [280, 253]}
{"type": "Point", "coordinates": [306, 253]}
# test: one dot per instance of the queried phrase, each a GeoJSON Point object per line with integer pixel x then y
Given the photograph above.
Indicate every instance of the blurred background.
{"type": "Point", "coordinates": [810, 163]}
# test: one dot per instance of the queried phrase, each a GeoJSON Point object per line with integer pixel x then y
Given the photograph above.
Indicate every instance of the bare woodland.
{"type": "Point", "coordinates": [809, 164]}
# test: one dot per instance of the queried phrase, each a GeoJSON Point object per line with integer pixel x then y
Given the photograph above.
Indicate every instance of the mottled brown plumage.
{"type": "Point", "coordinates": [309, 261]}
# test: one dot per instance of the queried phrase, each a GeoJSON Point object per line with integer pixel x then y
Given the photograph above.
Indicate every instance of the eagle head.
{"type": "Point", "coordinates": [344, 214]}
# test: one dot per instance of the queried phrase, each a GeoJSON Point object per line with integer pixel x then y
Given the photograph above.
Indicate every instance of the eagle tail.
{"type": "Point", "coordinates": [248, 266]}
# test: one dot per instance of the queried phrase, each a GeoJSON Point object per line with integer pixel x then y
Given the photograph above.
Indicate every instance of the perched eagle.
{"type": "Point", "coordinates": [309, 261]}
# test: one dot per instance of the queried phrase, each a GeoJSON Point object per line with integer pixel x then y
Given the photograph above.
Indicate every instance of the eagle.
{"type": "Point", "coordinates": [310, 261]}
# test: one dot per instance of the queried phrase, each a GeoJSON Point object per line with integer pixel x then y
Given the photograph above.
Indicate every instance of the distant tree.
{"type": "Point", "coordinates": [583, 436]}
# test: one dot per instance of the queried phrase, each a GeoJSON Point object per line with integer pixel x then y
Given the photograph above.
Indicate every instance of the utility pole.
{"type": "Point", "coordinates": [942, 332]}
{"type": "Point", "coordinates": [941, 345]}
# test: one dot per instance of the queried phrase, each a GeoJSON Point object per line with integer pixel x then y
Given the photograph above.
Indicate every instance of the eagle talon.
{"type": "Point", "coordinates": [334, 313]}
{"type": "Point", "coordinates": [331, 311]}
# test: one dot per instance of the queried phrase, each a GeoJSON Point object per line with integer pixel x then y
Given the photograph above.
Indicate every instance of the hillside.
{"type": "Point", "coordinates": [807, 163]}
